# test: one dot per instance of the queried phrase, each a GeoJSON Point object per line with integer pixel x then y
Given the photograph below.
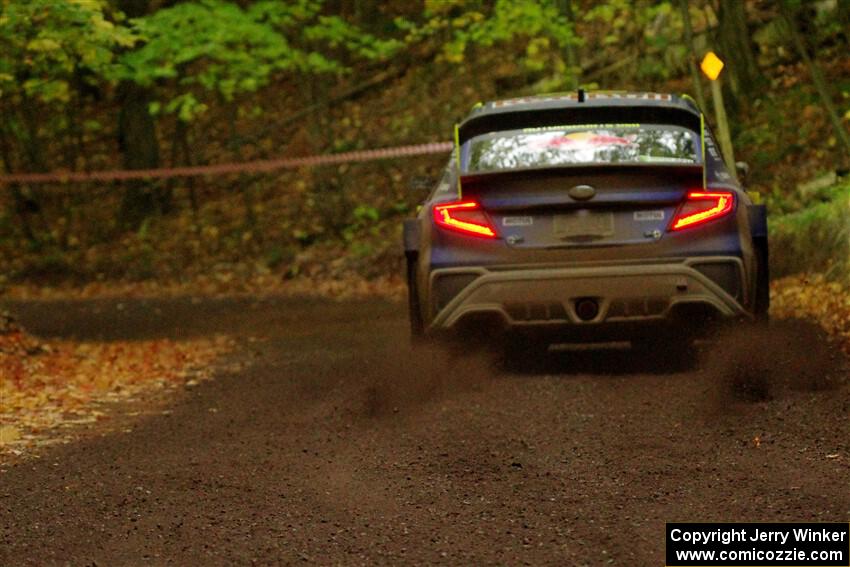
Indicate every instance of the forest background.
{"type": "Point", "coordinates": [89, 85]}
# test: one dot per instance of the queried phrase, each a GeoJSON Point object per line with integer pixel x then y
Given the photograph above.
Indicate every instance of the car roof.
{"type": "Point", "coordinates": [589, 107]}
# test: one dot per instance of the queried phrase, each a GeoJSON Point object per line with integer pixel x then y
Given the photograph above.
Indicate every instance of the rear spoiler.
{"type": "Point", "coordinates": [576, 114]}
{"type": "Point", "coordinates": [515, 120]}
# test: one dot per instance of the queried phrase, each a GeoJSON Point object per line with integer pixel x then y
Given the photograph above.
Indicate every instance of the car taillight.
{"type": "Point", "coordinates": [465, 217]}
{"type": "Point", "coordinates": [701, 207]}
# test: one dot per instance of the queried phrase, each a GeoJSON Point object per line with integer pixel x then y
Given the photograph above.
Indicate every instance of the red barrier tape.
{"type": "Point", "coordinates": [259, 166]}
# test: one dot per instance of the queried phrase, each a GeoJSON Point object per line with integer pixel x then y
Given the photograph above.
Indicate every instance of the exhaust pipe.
{"type": "Point", "coordinates": [587, 308]}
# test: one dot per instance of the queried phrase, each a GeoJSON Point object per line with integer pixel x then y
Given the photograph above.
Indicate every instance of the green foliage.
{"type": "Point", "coordinates": [463, 24]}
{"type": "Point", "coordinates": [366, 214]}
{"type": "Point", "coordinates": [816, 239]}
{"type": "Point", "coordinates": [654, 30]}
{"type": "Point", "coordinates": [615, 14]}
{"type": "Point", "coordinates": [45, 44]}
{"type": "Point", "coordinates": [365, 219]}
{"type": "Point", "coordinates": [212, 46]}
{"type": "Point", "coordinates": [543, 33]}
{"type": "Point", "coordinates": [60, 61]}
{"type": "Point", "coordinates": [218, 48]}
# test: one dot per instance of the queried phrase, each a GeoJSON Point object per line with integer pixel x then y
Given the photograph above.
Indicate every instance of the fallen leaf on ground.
{"type": "Point", "coordinates": [49, 386]}
{"type": "Point", "coordinates": [9, 434]}
{"type": "Point", "coordinates": [817, 299]}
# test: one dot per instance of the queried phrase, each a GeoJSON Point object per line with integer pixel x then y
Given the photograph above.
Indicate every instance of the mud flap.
{"type": "Point", "coordinates": [758, 229]}
{"type": "Point", "coordinates": [411, 253]}
{"type": "Point", "coordinates": [410, 234]}
{"type": "Point", "coordinates": [758, 220]}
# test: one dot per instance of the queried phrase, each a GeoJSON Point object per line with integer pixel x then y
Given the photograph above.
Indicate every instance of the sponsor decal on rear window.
{"type": "Point", "coordinates": [568, 127]}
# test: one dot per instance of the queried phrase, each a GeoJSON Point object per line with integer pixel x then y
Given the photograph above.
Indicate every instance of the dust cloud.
{"type": "Point", "coordinates": [743, 364]}
{"type": "Point", "coordinates": [399, 378]}
{"type": "Point", "coordinates": [753, 364]}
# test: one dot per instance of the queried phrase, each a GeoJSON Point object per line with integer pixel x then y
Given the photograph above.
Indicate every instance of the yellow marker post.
{"type": "Point", "coordinates": [712, 65]}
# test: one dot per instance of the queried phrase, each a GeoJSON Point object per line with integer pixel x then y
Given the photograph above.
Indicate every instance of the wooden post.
{"type": "Point", "coordinates": [723, 128]}
{"type": "Point", "coordinates": [712, 65]}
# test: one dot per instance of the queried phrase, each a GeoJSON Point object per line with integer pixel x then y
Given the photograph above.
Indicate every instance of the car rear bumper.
{"type": "Point", "coordinates": [625, 294]}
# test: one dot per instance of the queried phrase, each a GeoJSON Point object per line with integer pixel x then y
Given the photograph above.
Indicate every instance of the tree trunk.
{"type": "Point", "coordinates": [244, 181]}
{"type": "Point", "coordinates": [694, 58]}
{"type": "Point", "coordinates": [329, 190]}
{"type": "Point", "coordinates": [74, 142]}
{"type": "Point", "coordinates": [843, 13]}
{"type": "Point", "coordinates": [181, 154]}
{"type": "Point", "coordinates": [570, 54]}
{"type": "Point", "coordinates": [32, 146]}
{"type": "Point", "coordinates": [25, 205]}
{"type": "Point", "coordinates": [736, 49]}
{"type": "Point", "coordinates": [137, 141]}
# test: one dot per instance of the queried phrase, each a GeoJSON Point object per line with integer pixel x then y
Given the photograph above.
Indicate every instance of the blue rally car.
{"type": "Point", "coordinates": [586, 217]}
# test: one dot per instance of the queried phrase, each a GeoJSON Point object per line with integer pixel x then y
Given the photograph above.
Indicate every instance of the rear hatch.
{"type": "Point", "coordinates": [580, 206]}
{"type": "Point", "coordinates": [582, 184]}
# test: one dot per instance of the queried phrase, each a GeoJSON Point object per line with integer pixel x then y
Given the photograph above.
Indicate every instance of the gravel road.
{"type": "Point", "coordinates": [328, 440]}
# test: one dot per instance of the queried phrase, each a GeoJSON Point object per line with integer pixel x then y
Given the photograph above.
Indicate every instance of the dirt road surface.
{"type": "Point", "coordinates": [334, 443]}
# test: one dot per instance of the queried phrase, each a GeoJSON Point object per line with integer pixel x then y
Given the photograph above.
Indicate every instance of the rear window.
{"type": "Point", "coordinates": [584, 144]}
